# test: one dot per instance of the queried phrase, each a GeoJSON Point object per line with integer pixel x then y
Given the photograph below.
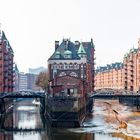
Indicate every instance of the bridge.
{"type": "Point", "coordinates": [6, 99]}
{"type": "Point", "coordinates": [108, 96]}
{"type": "Point", "coordinates": [130, 100]}
{"type": "Point", "coordinates": [113, 91]}
{"type": "Point", "coordinates": [23, 94]}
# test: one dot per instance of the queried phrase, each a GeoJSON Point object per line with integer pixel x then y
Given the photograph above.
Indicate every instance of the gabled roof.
{"type": "Point", "coordinates": [4, 39]}
{"type": "Point", "coordinates": [66, 48]}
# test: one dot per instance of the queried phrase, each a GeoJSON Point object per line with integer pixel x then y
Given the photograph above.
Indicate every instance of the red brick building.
{"type": "Point", "coordinates": [6, 64]}
{"type": "Point", "coordinates": [73, 59]}
{"type": "Point", "coordinates": [132, 69]}
{"type": "Point", "coordinates": [127, 77]}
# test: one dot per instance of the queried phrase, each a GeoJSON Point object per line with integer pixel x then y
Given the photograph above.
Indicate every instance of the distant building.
{"type": "Point", "coordinates": [16, 78]}
{"type": "Point", "coordinates": [31, 82]}
{"type": "Point", "coordinates": [23, 81]}
{"type": "Point", "coordinates": [37, 70]}
{"type": "Point", "coordinates": [110, 76]}
{"type": "Point", "coordinates": [73, 59]}
{"type": "Point", "coordinates": [6, 64]}
{"type": "Point", "coordinates": [27, 81]}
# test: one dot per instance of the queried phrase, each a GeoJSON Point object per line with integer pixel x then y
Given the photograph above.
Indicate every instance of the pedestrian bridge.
{"type": "Point", "coordinates": [108, 96]}
{"type": "Point", "coordinates": [130, 100]}
{"type": "Point", "coordinates": [6, 99]}
{"type": "Point", "coordinates": [24, 94]}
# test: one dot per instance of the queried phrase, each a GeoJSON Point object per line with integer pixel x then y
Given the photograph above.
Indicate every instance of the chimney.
{"type": "Point", "coordinates": [56, 44]}
{"type": "Point", "coordinates": [77, 44]}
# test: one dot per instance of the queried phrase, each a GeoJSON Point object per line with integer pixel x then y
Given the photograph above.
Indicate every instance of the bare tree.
{"type": "Point", "coordinates": [42, 80]}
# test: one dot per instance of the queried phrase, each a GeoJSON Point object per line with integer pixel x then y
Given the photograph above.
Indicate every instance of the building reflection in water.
{"type": "Point", "coordinates": [6, 121]}
{"type": "Point", "coordinates": [62, 134]}
{"type": "Point", "coordinates": [4, 136]}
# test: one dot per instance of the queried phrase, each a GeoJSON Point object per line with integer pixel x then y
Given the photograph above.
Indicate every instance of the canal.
{"type": "Point", "coordinates": [24, 122]}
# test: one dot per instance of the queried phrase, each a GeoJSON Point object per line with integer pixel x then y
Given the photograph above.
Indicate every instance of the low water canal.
{"type": "Point", "coordinates": [24, 122]}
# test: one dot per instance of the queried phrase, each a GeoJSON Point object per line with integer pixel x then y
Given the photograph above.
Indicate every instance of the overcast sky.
{"type": "Point", "coordinates": [32, 26]}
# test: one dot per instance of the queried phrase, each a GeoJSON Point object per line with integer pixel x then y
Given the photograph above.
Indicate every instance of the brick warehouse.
{"type": "Point", "coordinates": [125, 77]}
{"type": "Point", "coordinates": [132, 69]}
{"type": "Point", "coordinates": [110, 76]}
{"type": "Point", "coordinates": [6, 64]}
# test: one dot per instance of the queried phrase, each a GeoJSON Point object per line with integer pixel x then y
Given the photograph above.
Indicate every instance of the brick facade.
{"type": "Point", "coordinates": [132, 69]}
{"type": "Point", "coordinates": [109, 77]}
{"type": "Point", "coordinates": [6, 64]}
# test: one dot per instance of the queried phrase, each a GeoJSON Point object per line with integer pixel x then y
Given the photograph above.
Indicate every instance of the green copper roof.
{"type": "Point", "coordinates": [67, 52]}
{"type": "Point", "coordinates": [81, 49]}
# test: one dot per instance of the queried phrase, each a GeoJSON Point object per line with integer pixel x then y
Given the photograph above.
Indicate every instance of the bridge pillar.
{"type": "Point", "coordinates": [2, 106]}
{"type": "Point", "coordinates": [42, 107]}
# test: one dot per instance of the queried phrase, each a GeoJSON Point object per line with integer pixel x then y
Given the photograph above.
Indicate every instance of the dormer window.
{"type": "Point", "coordinates": [57, 54]}
{"type": "Point", "coordinates": [67, 54]}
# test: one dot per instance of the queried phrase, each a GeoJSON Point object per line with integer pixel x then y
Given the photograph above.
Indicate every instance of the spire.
{"type": "Point", "coordinates": [92, 44]}
{"type": "Point", "coordinates": [81, 49]}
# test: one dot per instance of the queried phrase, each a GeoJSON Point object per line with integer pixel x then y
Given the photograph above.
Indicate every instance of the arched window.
{"type": "Point", "coordinates": [76, 66]}
{"type": "Point", "coordinates": [60, 66]}
{"type": "Point", "coordinates": [71, 66]}
{"type": "Point", "coordinates": [65, 66]}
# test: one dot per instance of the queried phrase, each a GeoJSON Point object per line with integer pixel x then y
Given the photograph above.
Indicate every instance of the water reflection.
{"type": "Point", "coordinates": [26, 122]}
